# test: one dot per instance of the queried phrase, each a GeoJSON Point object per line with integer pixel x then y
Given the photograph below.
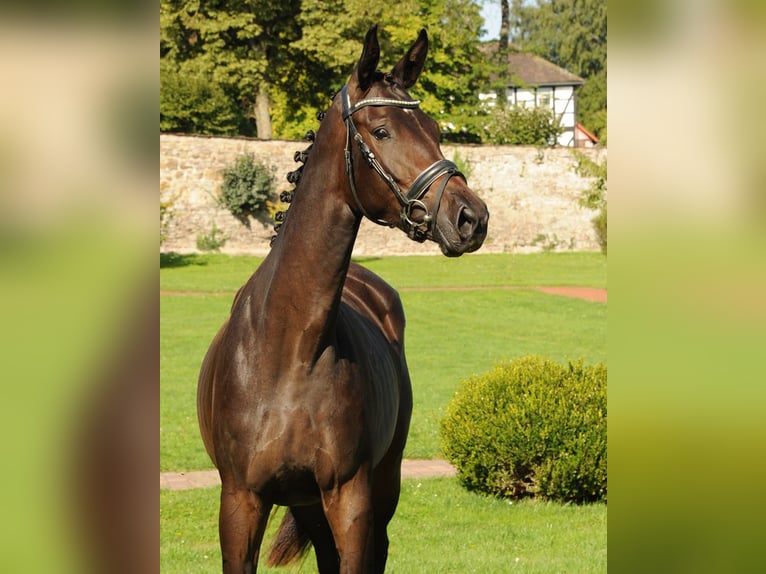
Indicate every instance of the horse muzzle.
{"type": "Point", "coordinates": [463, 229]}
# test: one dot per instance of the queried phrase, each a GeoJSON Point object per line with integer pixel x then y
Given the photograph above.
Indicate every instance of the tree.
{"type": "Point", "coordinates": [326, 50]}
{"type": "Point", "coordinates": [455, 70]}
{"type": "Point", "coordinates": [505, 26]}
{"type": "Point", "coordinates": [236, 45]}
{"type": "Point", "coordinates": [571, 34]}
{"type": "Point", "coordinates": [278, 61]}
{"type": "Point", "coordinates": [191, 102]}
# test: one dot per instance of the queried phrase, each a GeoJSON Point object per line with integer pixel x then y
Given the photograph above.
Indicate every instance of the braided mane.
{"type": "Point", "coordinates": [293, 177]}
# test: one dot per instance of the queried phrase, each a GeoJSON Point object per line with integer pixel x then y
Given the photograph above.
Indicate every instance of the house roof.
{"type": "Point", "coordinates": [587, 133]}
{"type": "Point", "coordinates": [532, 70]}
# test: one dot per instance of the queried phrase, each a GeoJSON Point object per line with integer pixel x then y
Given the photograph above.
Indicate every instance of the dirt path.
{"type": "Point", "coordinates": [588, 293]}
{"type": "Point", "coordinates": [595, 294]}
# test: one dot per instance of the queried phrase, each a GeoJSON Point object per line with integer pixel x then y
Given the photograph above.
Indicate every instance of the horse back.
{"type": "Point", "coordinates": [371, 296]}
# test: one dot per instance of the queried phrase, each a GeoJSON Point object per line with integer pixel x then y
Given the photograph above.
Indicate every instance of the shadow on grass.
{"type": "Point", "coordinates": [173, 259]}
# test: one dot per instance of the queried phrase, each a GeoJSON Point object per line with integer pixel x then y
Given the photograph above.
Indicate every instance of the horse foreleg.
{"type": "Point", "coordinates": [348, 509]}
{"type": "Point", "coordinates": [241, 524]}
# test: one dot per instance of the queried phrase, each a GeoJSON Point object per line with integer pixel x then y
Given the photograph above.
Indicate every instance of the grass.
{"type": "Point", "coordinates": [218, 272]}
{"type": "Point", "coordinates": [553, 269]}
{"type": "Point", "coordinates": [439, 527]}
{"type": "Point", "coordinates": [187, 325]}
{"type": "Point", "coordinates": [453, 335]}
{"type": "Point", "coordinates": [450, 335]}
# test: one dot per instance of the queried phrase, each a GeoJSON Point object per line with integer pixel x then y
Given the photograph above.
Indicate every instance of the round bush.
{"type": "Point", "coordinates": [246, 187]}
{"type": "Point", "coordinates": [531, 427]}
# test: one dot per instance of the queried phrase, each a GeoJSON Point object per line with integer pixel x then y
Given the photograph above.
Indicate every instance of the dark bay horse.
{"type": "Point", "coordinates": [304, 396]}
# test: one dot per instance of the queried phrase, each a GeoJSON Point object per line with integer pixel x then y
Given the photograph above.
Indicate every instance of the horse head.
{"type": "Point", "coordinates": [397, 173]}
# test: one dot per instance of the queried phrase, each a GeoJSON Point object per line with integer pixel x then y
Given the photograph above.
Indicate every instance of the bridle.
{"type": "Point", "coordinates": [417, 230]}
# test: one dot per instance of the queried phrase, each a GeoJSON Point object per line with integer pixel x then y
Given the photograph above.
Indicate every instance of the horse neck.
{"type": "Point", "coordinates": [302, 278]}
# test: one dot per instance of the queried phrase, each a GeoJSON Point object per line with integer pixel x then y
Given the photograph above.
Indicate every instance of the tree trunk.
{"type": "Point", "coordinates": [505, 26]}
{"type": "Point", "coordinates": [261, 113]}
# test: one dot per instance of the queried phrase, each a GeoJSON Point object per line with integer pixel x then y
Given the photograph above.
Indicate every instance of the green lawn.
{"type": "Point", "coordinates": [450, 335]}
{"type": "Point", "coordinates": [217, 272]}
{"type": "Point", "coordinates": [438, 527]}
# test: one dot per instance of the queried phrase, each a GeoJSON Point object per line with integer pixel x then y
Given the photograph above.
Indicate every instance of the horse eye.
{"type": "Point", "coordinates": [381, 134]}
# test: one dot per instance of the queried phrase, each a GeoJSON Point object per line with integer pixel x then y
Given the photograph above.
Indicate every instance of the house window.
{"type": "Point", "coordinates": [544, 99]}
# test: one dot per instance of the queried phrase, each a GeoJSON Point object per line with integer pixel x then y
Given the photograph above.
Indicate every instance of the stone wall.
{"type": "Point", "coordinates": [531, 195]}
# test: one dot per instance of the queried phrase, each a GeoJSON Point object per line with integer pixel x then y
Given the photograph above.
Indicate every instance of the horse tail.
{"type": "Point", "coordinates": [290, 543]}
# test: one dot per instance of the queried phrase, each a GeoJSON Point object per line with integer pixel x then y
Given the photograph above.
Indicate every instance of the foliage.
{"type": "Point", "coordinates": [166, 214]}
{"type": "Point", "coordinates": [241, 46]}
{"type": "Point", "coordinates": [591, 105]}
{"type": "Point", "coordinates": [531, 427]}
{"type": "Point", "coordinates": [212, 241]}
{"type": "Point", "coordinates": [571, 34]}
{"type": "Point", "coordinates": [220, 58]}
{"type": "Point", "coordinates": [599, 224]}
{"type": "Point", "coordinates": [519, 125]}
{"type": "Point", "coordinates": [227, 67]}
{"type": "Point", "coordinates": [247, 187]}
{"type": "Point", "coordinates": [552, 242]}
{"type": "Point", "coordinates": [462, 164]}
{"type": "Point", "coordinates": [595, 196]}
{"type": "Point", "coordinates": [292, 118]}
{"type": "Point", "coordinates": [191, 102]}
{"type": "Point", "coordinates": [455, 70]}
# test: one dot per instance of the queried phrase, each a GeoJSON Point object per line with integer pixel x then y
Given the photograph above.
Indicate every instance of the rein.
{"type": "Point", "coordinates": [416, 230]}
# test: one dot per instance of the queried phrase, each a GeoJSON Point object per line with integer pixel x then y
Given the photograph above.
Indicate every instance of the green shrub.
{"type": "Point", "coordinates": [519, 125]}
{"type": "Point", "coordinates": [531, 427]}
{"type": "Point", "coordinates": [212, 241]}
{"type": "Point", "coordinates": [247, 187]}
{"type": "Point", "coordinates": [166, 214]}
{"type": "Point", "coordinates": [599, 224]}
{"type": "Point", "coordinates": [462, 164]}
{"type": "Point", "coordinates": [595, 196]}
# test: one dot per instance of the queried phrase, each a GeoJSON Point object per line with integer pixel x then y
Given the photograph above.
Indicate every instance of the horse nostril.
{"type": "Point", "coordinates": [466, 222]}
{"type": "Point", "coordinates": [481, 224]}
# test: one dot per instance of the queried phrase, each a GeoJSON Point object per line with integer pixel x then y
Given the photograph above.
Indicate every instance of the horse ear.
{"type": "Point", "coordinates": [368, 62]}
{"type": "Point", "coordinates": [407, 71]}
